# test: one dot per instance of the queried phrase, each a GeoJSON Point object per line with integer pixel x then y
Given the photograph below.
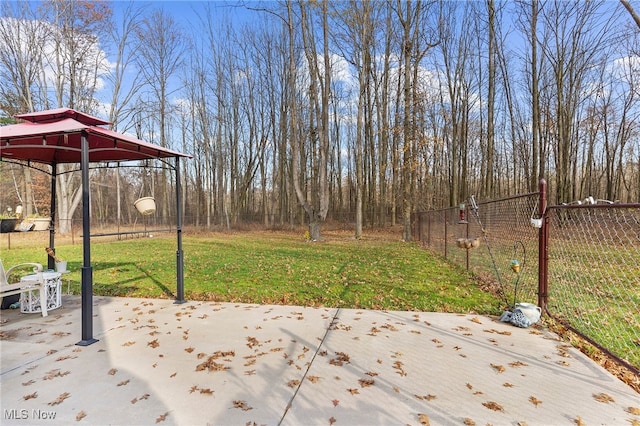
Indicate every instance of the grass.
{"type": "Point", "coordinates": [379, 272]}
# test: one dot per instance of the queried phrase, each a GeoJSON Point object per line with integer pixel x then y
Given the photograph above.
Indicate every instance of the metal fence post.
{"type": "Point", "coordinates": [543, 247]}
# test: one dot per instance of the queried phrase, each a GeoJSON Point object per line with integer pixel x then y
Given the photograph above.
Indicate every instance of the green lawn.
{"type": "Point", "coordinates": [276, 268]}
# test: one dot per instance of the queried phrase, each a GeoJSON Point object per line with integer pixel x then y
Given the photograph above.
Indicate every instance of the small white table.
{"type": "Point", "coordinates": [30, 300]}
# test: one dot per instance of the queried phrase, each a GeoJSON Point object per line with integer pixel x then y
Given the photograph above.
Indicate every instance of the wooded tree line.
{"type": "Point", "coordinates": [357, 111]}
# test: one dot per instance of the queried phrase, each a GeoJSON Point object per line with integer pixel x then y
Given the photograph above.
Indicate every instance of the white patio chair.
{"type": "Point", "coordinates": [22, 286]}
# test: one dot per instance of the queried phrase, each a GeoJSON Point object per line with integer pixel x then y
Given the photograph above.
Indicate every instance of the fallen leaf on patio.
{"type": "Point", "coordinates": [469, 422]}
{"type": "Point", "coordinates": [603, 397]}
{"type": "Point", "coordinates": [293, 383]}
{"type": "Point", "coordinates": [81, 415]}
{"type": "Point", "coordinates": [518, 364]}
{"type": "Point", "coordinates": [335, 402]}
{"type": "Point", "coordinates": [162, 417]}
{"type": "Point", "coordinates": [578, 420]}
{"type": "Point", "coordinates": [55, 373]}
{"type": "Point", "coordinates": [30, 382]}
{"type": "Point", "coordinates": [353, 391]}
{"type": "Point", "coordinates": [153, 343]}
{"type": "Point", "coordinates": [396, 389]}
{"type": "Point", "coordinates": [250, 372]}
{"type": "Point", "coordinates": [535, 401]}
{"type": "Point", "coordinates": [313, 379]}
{"type": "Point", "coordinates": [507, 385]}
{"type": "Point", "coordinates": [493, 330]}
{"type": "Point", "coordinates": [112, 372]}
{"type": "Point", "coordinates": [366, 382]}
{"type": "Point", "coordinates": [124, 382]}
{"type": "Point", "coordinates": [498, 368]}
{"type": "Point", "coordinates": [173, 375]}
{"type": "Point", "coordinates": [60, 398]}
{"type": "Point", "coordinates": [469, 386]}
{"type": "Point", "coordinates": [493, 406]}
{"type": "Point", "coordinates": [476, 320]}
{"type": "Point", "coordinates": [62, 358]}
{"type": "Point", "coordinates": [634, 411]}
{"type": "Point", "coordinates": [129, 343]}
{"type": "Point", "coordinates": [189, 350]}
{"type": "Point", "coordinates": [423, 419]}
{"type": "Point", "coordinates": [30, 396]}
{"type": "Point", "coordinates": [426, 397]}
{"type": "Point", "coordinates": [242, 405]}
{"type": "Point", "coordinates": [206, 391]}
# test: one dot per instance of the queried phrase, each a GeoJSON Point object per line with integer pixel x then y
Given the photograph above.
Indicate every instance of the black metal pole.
{"type": "Point", "coordinates": [51, 263]}
{"type": "Point", "coordinates": [179, 253]}
{"type": "Point", "coordinates": [87, 270]}
{"type": "Point", "coordinates": [543, 247]}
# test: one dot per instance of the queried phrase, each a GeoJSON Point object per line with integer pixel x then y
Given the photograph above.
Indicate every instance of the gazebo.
{"type": "Point", "coordinates": [63, 135]}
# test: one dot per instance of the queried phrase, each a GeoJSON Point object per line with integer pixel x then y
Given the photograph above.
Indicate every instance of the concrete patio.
{"type": "Point", "coordinates": [204, 363]}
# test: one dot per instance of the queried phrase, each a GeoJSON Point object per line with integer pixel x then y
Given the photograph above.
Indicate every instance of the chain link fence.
{"type": "Point", "coordinates": [594, 274]}
{"type": "Point", "coordinates": [587, 276]}
{"type": "Point", "coordinates": [494, 240]}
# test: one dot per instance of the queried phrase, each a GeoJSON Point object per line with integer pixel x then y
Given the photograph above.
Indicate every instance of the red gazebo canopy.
{"type": "Point", "coordinates": [54, 137]}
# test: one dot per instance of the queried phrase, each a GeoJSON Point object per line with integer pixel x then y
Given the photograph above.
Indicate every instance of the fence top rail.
{"type": "Point", "coordinates": [497, 200]}
{"type": "Point", "coordinates": [596, 206]}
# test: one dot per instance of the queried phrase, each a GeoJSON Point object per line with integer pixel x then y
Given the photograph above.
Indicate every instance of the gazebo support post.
{"type": "Point", "coordinates": [179, 253]}
{"type": "Point", "coordinates": [87, 270]}
{"type": "Point", "coordinates": [51, 263]}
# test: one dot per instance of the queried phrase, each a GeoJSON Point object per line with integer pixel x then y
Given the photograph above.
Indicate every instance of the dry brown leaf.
{"type": "Point", "coordinates": [469, 422]}
{"type": "Point", "coordinates": [353, 391]}
{"type": "Point", "coordinates": [578, 420]}
{"type": "Point", "coordinates": [81, 415]}
{"type": "Point", "coordinates": [313, 379]}
{"type": "Point", "coordinates": [30, 382]}
{"type": "Point", "coordinates": [535, 401]}
{"type": "Point", "coordinates": [634, 411]}
{"type": "Point", "coordinates": [518, 364]}
{"type": "Point", "coordinates": [491, 405]}
{"type": "Point", "coordinates": [30, 396]}
{"type": "Point", "coordinates": [112, 372]}
{"type": "Point", "coordinates": [293, 383]}
{"type": "Point", "coordinates": [428, 397]}
{"type": "Point", "coordinates": [498, 368]}
{"type": "Point", "coordinates": [242, 405]}
{"type": "Point", "coordinates": [469, 386]}
{"type": "Point", "coordinates": [331, 420]}
{"type": "Point", "coordinates": [60, 398]}
{"type": "Point", "coordinates": [55, 373]}
{"type": "Point", "coordinates": [424, 419]}
{"type": "Point", "coordinates": [124, 382]}
{"type": "Point", "coordinates": [335, 402]}
{"type": "Point", "coordinates": [162, 417]}
{"type": "Point", "coordinates": [189, 350]}
{"type": "Point", "coordinates": [206, 391]}
{"type": "Point", "coordinates": [154, 343]}
{"type": "Point", "coordinates": [129, 343]}
{"type": "Point", "coordinates": [507, 385]}
{"type": "Point", "coordinates": [603, 397]}
{"type": "Point", "coordinates": [366, 382]}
